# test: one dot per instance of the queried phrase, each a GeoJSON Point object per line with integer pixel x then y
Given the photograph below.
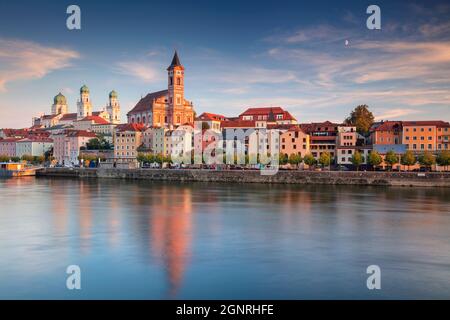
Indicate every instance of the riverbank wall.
{"type": "Point", "coordinates": [407, 179]}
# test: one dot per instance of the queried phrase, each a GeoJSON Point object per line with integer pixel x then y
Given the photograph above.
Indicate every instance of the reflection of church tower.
{"type": "Point", "coordinates": [59, 104]}
{"type": "Point", "coordinates": [84, 106]}
{"type": "Point", "coordinates": [176, 91]}
{"type": "Point", "coordinates": [172, 233]}
{"type": "Point", "coordinates": [113, 108]}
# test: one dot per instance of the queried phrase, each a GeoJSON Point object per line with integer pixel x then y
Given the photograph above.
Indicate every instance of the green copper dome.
{"type": "Point", "coordinates": [84, 89]}
{"type": "Point", "coordinates": [113, 94]}
{"type": "Point", "coordinates": [59, 99]}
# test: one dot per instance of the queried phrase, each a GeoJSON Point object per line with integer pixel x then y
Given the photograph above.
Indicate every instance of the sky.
{"type": "Point", "coordinates": [237, 54]}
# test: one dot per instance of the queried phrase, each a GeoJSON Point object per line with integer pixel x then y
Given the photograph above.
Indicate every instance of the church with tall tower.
{"type": "Point", "coordinates": [84, 105]}
{"type": "Point", "coordinates": [60, 115]}
{"type": "Point", "coordinates": [166, 108]}
{"type": "Point", "coordinates": [113, 108]}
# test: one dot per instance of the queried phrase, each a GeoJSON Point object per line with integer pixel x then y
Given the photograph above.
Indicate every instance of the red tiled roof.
{"type": "Point", "coordinates": [211, 117]}
{"type": "Point", "coordinates": [295, 129]}
{"type": "Point", "coordinates": [388, 126]}
{"type": "Point", "coordinates": [268, 111]}
{"type": "Point", "coordinates": [313, 127]}
{"type": "Point", "coordinates": [437, 123]}
{"type": "Point", "coordinates": [48, 116]}
{"type": "Point", "coordinates": [69, 117]}
{"type": "Point", "coordinates": [9, 140]}
{"type": "Point", "coordinates": [79, 133]}
{"type": "Point", "coordinates": [238, 124]}
{"type": "Point", "coordinates": [36, 139]}
{"type": "Point", "coordinates": [262, 111]}
{"type": "Point", "coordinates": [131, 127]}
{"type": "Point", "coordinates": [146, 102]}
{"type": "Point", "coordinates": [14, 132]}
{"type": "Point", "coordinates": [96, 119]}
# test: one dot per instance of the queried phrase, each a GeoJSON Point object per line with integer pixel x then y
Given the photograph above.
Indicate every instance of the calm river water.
{"type": "Point", "coordinates": [144, 240]}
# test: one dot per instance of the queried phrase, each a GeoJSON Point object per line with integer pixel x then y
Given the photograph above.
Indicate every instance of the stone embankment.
{"type": "Point", "coordinates": [413, 179]}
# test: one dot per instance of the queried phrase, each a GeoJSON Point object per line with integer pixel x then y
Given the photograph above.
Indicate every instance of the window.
{"type": "Point", "coordinates": [178, 81]}
{"type": "Point", "coordinates": [170, 80]}
{"type": "Point", "coordinates": [422, 147]}
{"type": "Point", "coordinates": [429, 147]}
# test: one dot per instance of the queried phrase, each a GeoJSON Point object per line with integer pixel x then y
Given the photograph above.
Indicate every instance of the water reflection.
{"type": "Point", "coordinates": [205, 240]}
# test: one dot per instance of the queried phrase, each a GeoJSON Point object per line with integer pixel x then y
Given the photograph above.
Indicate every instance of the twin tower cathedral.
{"type": "Point", "coordinates": [111, 112]}
{"type": "Point", "coordinates": [165, 108]}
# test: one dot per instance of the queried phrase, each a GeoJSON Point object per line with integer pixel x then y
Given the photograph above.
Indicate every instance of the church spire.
{"type": "Point", "coordinates": [175, 61]}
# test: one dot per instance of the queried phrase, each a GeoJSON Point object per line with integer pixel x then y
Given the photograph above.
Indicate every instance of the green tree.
{"type": "Point", "coordinates": [283, 159]}
{"type": "Point", "coordinates": [27, 157]}
{"type": "Point", "coordinates": [141, 157]}
{"type": "Point", "coordinates": [357, 159]}
{"type": "Point", "coordinates": [295, 159]}
{"type": "Point", "coordinates": [4, 158]}
{"type": "Point", "coordinates": [408, 159]}
{"type": "Point", "coordinates": [310, 160]}
{"type": "Point", "coordinates": [443, 159]}
{"type": "Point", "coordinates": [325, 159]}
{"type": "Point", "coordinates": [391, 158]}
{"type": "Point", "coordinates": [375, 159]}
{"type": "Point", "coordinates": [99, 143]}
{"type": "Point", "coordinates": [426, 159]}
{"type": "Point", "coordinates": [361, 118]}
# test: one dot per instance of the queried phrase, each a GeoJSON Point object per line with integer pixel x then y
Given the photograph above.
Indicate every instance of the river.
{"type": "Point", "coordinates": [154, 240]}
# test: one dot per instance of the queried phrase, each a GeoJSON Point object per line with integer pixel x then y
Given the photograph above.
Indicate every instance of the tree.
{"type": "Point", "coordinates": [408, 159]}
{"type": "Point", "coordinates": [357, 159]}
{"type": "Point", "coordinates": [391, 158]}
{"type": "Point", "coordinates": [426, 159]}
{"type": "Point", "coordinates": [325, 159]}
{"type": "Point", "coordinates": [295, 159]}
{"type": "Point", "coordinates": [361, 118]}
{"type": "Point", "coordinates": [283, 159]}
{"type": "Point", "coordinates": [309, 160]}
{"type": "Point", "coordinates": [27, 157]}
{"type": "Point", "coordinates": [4, 158]}
{"type": "Point", "coordinates": [98, 144]}
{"type": "Point", "coordinates": [375, 159]}
{"type": "Point", "coordinates": [443, 159]}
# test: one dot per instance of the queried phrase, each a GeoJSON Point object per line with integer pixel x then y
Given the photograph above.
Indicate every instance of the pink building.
{"type": "Point", "coordinates": [8, 147]}
{"type": "Point", "coordinates": [66, 145]}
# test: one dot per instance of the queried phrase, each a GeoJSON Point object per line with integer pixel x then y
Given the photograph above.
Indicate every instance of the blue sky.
{"type": "Point", "coordinates": [237, 54]}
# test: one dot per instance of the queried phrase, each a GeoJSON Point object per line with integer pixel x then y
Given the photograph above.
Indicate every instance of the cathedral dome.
{"type": "Point", "coordinates": [113, 94]}
{"type": "Point", "coordinates": [84, 89]}
{"type": "Point", "coordinates": [59, 99]}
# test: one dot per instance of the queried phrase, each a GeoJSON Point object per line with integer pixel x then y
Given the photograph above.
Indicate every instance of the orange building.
{"type": "Point", "coordinates": [294, 141]}
{"type": "Point", "coordinates": [388, 132]}
{"type": "Point", "coordinates": [127, 139]}
{"type": "Point", "coordinates": [165, 108]}
{"type": "Point", "coordinates": [422, 136]}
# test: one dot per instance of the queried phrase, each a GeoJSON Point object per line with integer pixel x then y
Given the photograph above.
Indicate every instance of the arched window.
{"type": "Point", "coordinates": [138, 119]}
{"type": "Point", "coordinates": [143, 119]}
{"type": "Point", "coordinates": [178, 81]}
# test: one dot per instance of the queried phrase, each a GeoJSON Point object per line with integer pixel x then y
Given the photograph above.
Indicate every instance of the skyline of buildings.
{"type": "Point", "coordinates": [165, 123]}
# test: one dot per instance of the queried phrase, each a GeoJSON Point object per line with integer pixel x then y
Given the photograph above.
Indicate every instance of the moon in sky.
{"type": "Point", "coordinates": [347, 42]}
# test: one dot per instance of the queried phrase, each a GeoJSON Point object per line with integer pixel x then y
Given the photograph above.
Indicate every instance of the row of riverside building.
{"type": "Point", "coordinates": [164, 122]}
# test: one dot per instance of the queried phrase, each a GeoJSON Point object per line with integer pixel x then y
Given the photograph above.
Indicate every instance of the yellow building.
{"type": "Point", "coordinates": [127, 139]}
